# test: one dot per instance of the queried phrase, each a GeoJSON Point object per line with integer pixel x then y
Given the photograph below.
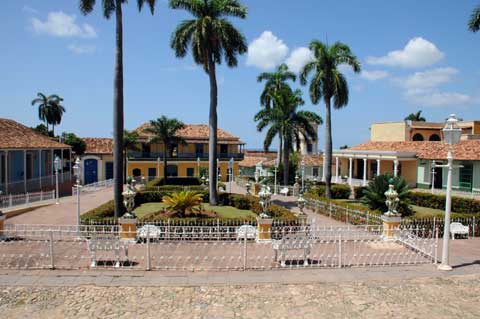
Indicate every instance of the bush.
{"type": "Point", "coordinates": [459, 204]}
{"type": "Point", "coordinates": [101, 213]}
{"type": "Point", "coordinates": [339, 191]}
{"type": "Point", "coordinates": [174, 188]}
{"type": "Point", "coordinates": [359, 192]}
{"type": "Point", "coordinates": [182, 181]}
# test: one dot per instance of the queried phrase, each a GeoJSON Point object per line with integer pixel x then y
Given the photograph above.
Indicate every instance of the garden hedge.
{"type": "Point", "coordinates": [180, 181]}
{"type": "Point", "coordinates": [460, 205]}
{"type": "Point", "coordinates": [339, 191]}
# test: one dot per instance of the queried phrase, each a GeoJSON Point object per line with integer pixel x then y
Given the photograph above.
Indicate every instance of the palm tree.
{"type": "Point", "coordinates": [417, 117]}
{"type": "Point", "coordinates": [211, 37]}
{"type": "Point", "coordinates": [165, 130]}
{"type": "Point", "coordinates": [55, 113]}
{"type": "Point", "coordinates": [274, 82]}
{"type": "Point", "coordinates": [474, 22]}
{"type": "Point", "coordinates": [283, 118]}
{"type": "Point", "coordinates": [45, 104]}
{"type": "Point", "coordinates": [328, 82]}
{"type": "Point", "coordinates": [130, 143]}
{"type": "Point", "coordinates": [109, 7]}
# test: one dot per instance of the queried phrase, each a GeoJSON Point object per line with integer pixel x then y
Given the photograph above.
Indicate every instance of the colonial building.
{"type": "Point", "coordinates": [97, 161]}
{"type": "Point", "coordinates": [27, 159]}
{"type": "Point", "coordinates": [413, 150]}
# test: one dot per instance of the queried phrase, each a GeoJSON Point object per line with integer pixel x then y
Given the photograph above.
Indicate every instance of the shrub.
{"type": "Point", "coordinates": [182, 202]}
{"type": "Point", "coordinates": [359, 192]}
{"type": "Point", "coordinates": [459, 204]}
{"type": "Point", "coordinates": [103, 212]}
{"type": "Point", "coordinates": [182, 181]}
{"type": "Point", "coordinates": [339, 191]}
{"type": "Point", "coordinates": [374, 194]}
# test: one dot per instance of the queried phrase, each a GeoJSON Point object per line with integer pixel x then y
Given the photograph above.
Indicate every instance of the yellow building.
{"type": "Point", "coordinates": [184, 160]}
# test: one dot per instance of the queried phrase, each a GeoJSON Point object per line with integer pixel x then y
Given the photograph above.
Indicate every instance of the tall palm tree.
{"type": "Point", "coordinates": [284, 118]}
{"type": "Point", "coordinates": [45, 106]}
{"type": "Point", "coordinates": [130, 143]}
{"type": "Point", "coordinates": [211, 37]}
{"type": "Point", "coordinates": [328, 82]}
{"type": "Point", "coordinates": [55, 113]}
{"type": "Point", "coordinates": [165, 130]}
{"type": "Point", "coordinates": [274, 81]}
{"type": "Point", "coordinates": [474, 22]}
{"type": "Point", "coordinates": [110, 7]}
{"type": "Point", "coordinates": [417, 117]}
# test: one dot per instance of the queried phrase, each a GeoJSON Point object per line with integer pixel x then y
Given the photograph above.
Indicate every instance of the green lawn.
{"type": "Point", "coordinates": [225, 212]}
{"type": "Point", "coordinates": [424, 212]}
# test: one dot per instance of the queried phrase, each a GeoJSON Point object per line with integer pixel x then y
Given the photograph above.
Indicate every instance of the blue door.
{"type": "Point", "coordinates": [109, 170]}
{"type": "Point", "coordinates": [91, 175]}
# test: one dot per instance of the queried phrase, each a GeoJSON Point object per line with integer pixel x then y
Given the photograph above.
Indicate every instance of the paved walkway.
{"type": "Point", "coordinates": [65, 213]}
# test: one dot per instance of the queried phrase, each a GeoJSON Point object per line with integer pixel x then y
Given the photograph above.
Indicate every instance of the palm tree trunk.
{"type": "Point", "coordinates": [328, 149]}
{"type": "Point", "coordinates": [212, 140]}
{"type": "Point", "coordinates": [280, 147]}
{"type": "Point", "coordinates": [118, 113]}
{"type": "Point", "coordinates": [125, 166]}
{"type": "Point", "coordinates": [286, 162]}
{"type": "Point", "coordinates": [165, 153]}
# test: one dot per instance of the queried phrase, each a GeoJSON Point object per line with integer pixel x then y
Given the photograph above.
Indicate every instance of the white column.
{"type": "Point", "coordinates": [324, 168]}
{"type": "Point", "coordinates": [365, 172]}
{"type": "Point", "coordinates": [25, 170]}
{"type": "Point", "coordinates": [395, 168]}
{"type": "Point", "coordinates": [378, 167]}
{"type": "Point", "coordinates": [350, 169]}
{"type": "Point", "coordinates": [336, 169]}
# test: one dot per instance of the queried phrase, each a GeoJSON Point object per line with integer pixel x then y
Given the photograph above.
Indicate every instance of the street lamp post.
{"type": "Point", "coordinates": [57, 163]}
{"type": "Point", "coordinates": [451, 135]}
{"type": "Point", "coordinates": [76, 172]}
{"type": "Point", "coordinates": [275, 170]}
{"type": "Point", "coordinates": [230, 171]}
{"type": "Point", "coordinates": [303, 175]}
{"type": "Point", "coordinates": [198, 167]}
{"type": "Point", "coordinates": [433, 176]}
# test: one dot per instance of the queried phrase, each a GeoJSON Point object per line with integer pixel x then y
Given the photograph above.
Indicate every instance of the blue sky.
{"type": "Point", "coordinates": [415, 55]}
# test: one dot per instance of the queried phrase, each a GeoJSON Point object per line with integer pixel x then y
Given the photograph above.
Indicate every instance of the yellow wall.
{"type": "Point", "coordinates": [409, 172]}
{"type": "Point", "coordinates": [396, 131]}
{"type": "Point", "coordinates": [426, 133]}
{"type": "Point", "coordinates": [190, 147]}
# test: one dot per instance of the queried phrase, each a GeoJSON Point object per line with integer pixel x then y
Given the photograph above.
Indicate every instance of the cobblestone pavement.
{"type": "Point", "coordinates": [455, 297]}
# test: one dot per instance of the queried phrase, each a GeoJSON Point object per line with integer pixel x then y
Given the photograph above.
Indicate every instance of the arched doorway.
{"type": "Point", "coordinates": [90, 171]}
{"type": "Point", "coordinates": [417, 137]}
{"type": "Point", "coordinates": [434, 138]}
{"type": "Point", "coordinates": [137, 172]}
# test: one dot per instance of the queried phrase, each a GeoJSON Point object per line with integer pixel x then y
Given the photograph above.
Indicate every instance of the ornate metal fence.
{"type": "Point", "coordinates": [210, 248]}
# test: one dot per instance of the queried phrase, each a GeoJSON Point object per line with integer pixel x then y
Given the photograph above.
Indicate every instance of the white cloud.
{"type": "Point", "coordinates": [29, 10]}
{"type": "Point", "coordinates": [59, 24]}
{"type": "Point", "coordinates": [298, 58]}
{"type": "Point", "coordinates": [417, 53]}
{"type": "Point", "coordinates": [81, 49]}
{"type": "Point", "coordinates": [266, 51]}
{"type": "Point", "coordinates": [374, 75]}
{"type": "Point", "coordinates": [438, 98]}
{"type": "Point", "coordinates": [429, 78]}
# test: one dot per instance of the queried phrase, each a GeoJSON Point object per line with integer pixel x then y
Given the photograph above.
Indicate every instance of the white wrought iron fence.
{"type": "Point", "coordinates": [93, 187]}
{"type": "Point", "coordinates": [11, 201]}
{"type": "Point", "coordinates": [153, 247]}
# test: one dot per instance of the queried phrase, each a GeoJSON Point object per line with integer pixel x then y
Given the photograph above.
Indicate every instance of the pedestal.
{"type": "Point", "coordinates": [256, 189]}
{"type": "Point", "coordinates": [264, 229]}
{"type": "Point", "coordinates": [390, 224]}
{"type": "Point", "coordinates": [2, 225]}
{"type": "Point", "coordinates": [128, 229]}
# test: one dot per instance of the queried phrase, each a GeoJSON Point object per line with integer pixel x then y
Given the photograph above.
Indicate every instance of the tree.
{"type": "Point", "coordinates": [328, 82]}
{"type": "Point", "coordinates": [130, 143]}
{"type": "Point", "coordinates": [55, 114]}
{"type": "Point", "coordinates": [274, 81]}
{"type": "Point", "coordinates": [165, 130]}
{"type": "Point", "coordinates": [211, 37]}
{"type": "Point", "coordinates": [78, 145]}
{"type": "Point", "coordinates": [182, 202]}
{"type": "Point", "coordinates": [474, 22]}
{"type": "Point", "coordinates": [42, 129]}
{"type": "Point", "coordinates": [110, 7]}
{"type": "Point", "coordinates": [285, 119]}
{"type": "Point", "coordinates": [45, 106]}
{"type": "Point", "coordinates": [416, 117]}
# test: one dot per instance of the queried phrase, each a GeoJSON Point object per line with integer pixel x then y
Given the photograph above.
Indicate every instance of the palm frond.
{"type": "Point", "coordinates": [474, 22]}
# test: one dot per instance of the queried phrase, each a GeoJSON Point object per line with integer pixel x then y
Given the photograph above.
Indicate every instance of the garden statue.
{"type": "Point", "coordinates": [202, 180]}
{"type": "Point", "coordinates": [257, 176]}
{"type": "Point", "coordinates": [129, 198]}
{"type": "Point", "coordinates": [296, 186]}
{"type": "Point", "coordinates": [301, 203]}
{"type": "Point", "coordinates": [391, 219]}
{"type": "Point", "coordinates": [392, 199]}
{"type": "Point", "coordinates": [265, 196]}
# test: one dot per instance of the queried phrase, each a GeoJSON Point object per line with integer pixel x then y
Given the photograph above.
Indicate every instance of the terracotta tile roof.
{"type": "Point", "coordinates": [14, 135]}
{"type": "Point", "coordinates": [465, 150]}
{"type": "Point", "coordinates": [313, 160]}
{"type": "Point", "coordinates": [193, 133]}
{"type": "Point", "coordinates": [251, 161]}
{"type": "Point", "coordinates": [270, 154]}
{"type": "Point", "coordinates": [98, 145]}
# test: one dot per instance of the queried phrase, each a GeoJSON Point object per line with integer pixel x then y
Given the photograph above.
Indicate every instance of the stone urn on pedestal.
{"type": "Point", "coordinates": [391, 219]}
{"type": "Point", "coordinates": [302, 216]}
{"type": "Point", "coordinates": [128, 222]}
{"type": "Point", "coordinates": [296, 186]}
{"type": "Point", "coordinates": [264, 222]}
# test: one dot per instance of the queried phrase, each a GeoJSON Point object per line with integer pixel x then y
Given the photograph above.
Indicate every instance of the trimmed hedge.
{"type": "Point", "coordinates": [339, 191]}
{"type": "Point", "coordinates": [180, 181]}
{"type": "Point", "coordinates": [460, 205]}
{"type": "Point", "coordinates": [359, 192]}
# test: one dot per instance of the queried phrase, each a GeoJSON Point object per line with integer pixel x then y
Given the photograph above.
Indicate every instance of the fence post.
{"type": "Point", "coordinates": [245, 251]}
{"type": "Point", "coordinates": [436, 247]}
{"type": "Point", "coordinates": [473, 227]}
{"type": "Point", "coordinates": [218, 229]}
{"type": "Point", "coordinates": [27, 199]}
{"type": "Point", "coordinates": [340, 251]}
{"type": "Point", "coordinates": [149, 266]}
{"type": "Point", "coordinates": [10, 201]}
{"type": "Point", "coordinates": [52, 265]}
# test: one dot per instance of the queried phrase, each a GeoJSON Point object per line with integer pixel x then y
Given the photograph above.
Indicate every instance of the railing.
{"type": "Point", "coordinates": [11, 201]}
{"type": "Point", "coordinates": [34, 184]}
{"type": "Point", "coordinates": [193, 156]}
{"type": "Point", "coordinates": [474, 194]}
{"type": "Point", "coordinates": [93, 187]}
{"type": "Point", "coordinates": [212, 248]}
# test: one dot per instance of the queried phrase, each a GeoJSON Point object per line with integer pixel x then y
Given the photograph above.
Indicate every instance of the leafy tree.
{"type": "Point", "coordinates": [42, 129]}
{"type": "Point", "coordinates": [474, 22]}
{"type": "Point", "coordinates": [328, 82]}
{"type": "Point", "coordinates": [182, 202]}
{"type": "Point", "coordinates": [211, 37]}
{"type": "Point", "coordinates": [344, 147]}
{"type": "Point", "coordinates": [110, 7]}
{"type": "Point", "coordinates": [55, 114]}
{"type": "Point", "coordinates": [130, 143]}
{"type": "Point", "coordinates": [417, 117]}
{"type": "Point", "coordinates": [45, 106]}
{"type": "Point", "coordinates": [275, 81]}
{"type": "Point", "coordinates": [78, 145]}
{"type": "Point", "coordinates": [165, 130]}
{"type": "Point", "coordinates": [374, 194]}
{"type": "Point", "coordinates": [284, 118]}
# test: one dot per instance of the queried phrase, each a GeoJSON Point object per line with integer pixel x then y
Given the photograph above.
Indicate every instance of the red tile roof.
{"type": "Point", "coordinates": [465, 150]}
{"type": "Point", "coordinates": [98, 145]}
{"type": "Point", "coordinates": [14, 135]}
{"type": "Point", "coordinates": [251, 161]}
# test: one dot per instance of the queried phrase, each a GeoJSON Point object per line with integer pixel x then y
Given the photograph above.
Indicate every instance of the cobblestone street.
{"type": "Point", "coordinates": [455, 297]}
